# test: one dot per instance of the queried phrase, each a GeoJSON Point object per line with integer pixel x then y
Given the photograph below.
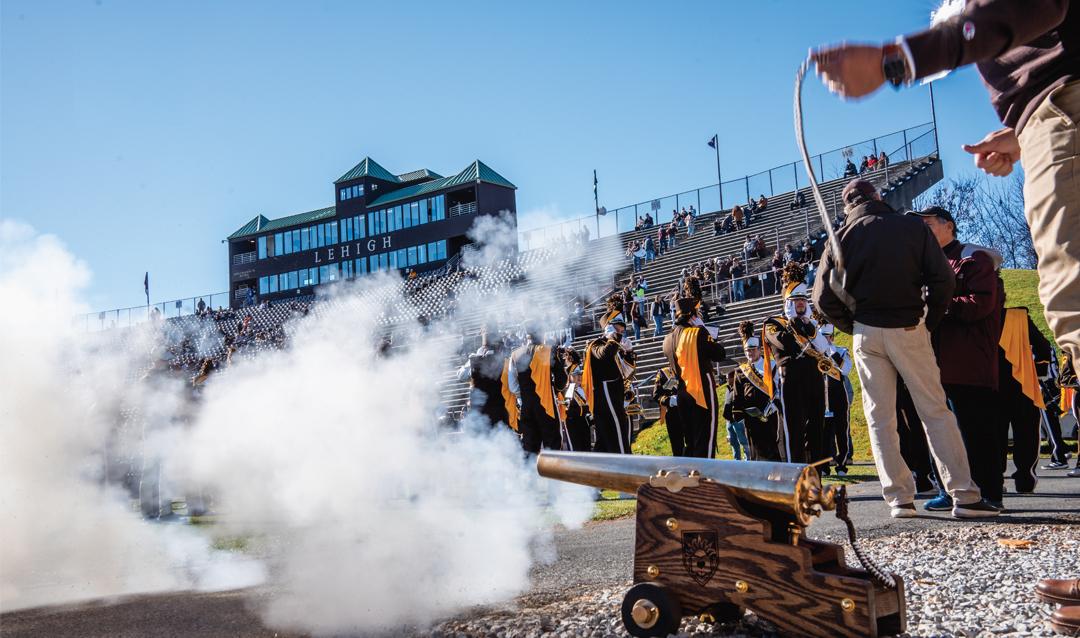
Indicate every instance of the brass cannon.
{"type": "Point", "coordinates": [717, 537]}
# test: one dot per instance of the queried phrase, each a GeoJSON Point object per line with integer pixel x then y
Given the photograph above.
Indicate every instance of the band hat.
{"type": "Point", "coordinates": [752, 342]}
{"type": "Point", "coordinates": [797, 290]}
{"type": "Point", "coordinates": [617, 320]}
{"type": "Point", "coordinates": [935, 211]}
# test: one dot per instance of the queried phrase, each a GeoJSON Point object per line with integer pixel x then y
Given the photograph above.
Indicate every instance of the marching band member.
{"type": "Point", "coordinates": [837, 418]}
{"type": "Point", "coordinates": [691, 352]}
{"type": "Point", "coordinates": [665, 393]}
{"type": "Point", "coordinates": [537, 375]}
{"type": "Point", "coordinates": [608, 363]}
{"type": "Point", "coordinates": [751, 402]}
{"type": "Point", "coordinates": [792, 342]}
{"type": "Point", "coordinates": [1050, 416]}
{"type": "Point", "coordinates": [1020, 398]}
{"type": "Point", "coordinates": [486, 371]}
{"type": "Point", "coordinates": [579, 435]}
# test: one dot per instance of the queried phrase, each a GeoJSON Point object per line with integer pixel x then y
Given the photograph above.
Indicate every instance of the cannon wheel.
{"type": "Point", "coordinates": [650, 610]}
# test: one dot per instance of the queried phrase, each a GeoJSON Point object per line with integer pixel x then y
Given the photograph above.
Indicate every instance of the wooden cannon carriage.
{"type": "Point", "coordinates": [715, 538]}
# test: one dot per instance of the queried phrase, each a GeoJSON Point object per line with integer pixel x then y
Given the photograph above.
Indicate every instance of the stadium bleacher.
{"type": "Point", "coordinates": [193, 341]}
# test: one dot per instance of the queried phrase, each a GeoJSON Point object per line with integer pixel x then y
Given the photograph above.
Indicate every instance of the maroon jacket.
{"type": "Point", "coordinates": [966, 340]}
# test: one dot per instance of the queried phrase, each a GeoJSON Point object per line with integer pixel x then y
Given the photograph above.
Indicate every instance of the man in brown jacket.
{"type": "Point", "coordinates": [889, 258]}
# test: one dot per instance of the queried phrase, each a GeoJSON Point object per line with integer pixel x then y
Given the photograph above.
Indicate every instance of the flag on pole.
{"type": "Point", "coordinates": [713, 141]}
{"type": "Point", "coordinates": [146, 287]}
{"type": "Point", "coordinates": [595, 182]}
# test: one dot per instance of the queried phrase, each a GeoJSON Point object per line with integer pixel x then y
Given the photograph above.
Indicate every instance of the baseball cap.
{"type": "Point", "coordinates": [935, 211]}
{"type": "Point", "coordinates": [857, 188]}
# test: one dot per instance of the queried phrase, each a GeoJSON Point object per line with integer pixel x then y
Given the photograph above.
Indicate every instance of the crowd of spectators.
{"type": "Point", "coordinates": [869, 163]}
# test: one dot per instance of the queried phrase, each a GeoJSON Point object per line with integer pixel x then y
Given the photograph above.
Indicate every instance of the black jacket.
{"type": "Point", "coordinates": [888, 258]}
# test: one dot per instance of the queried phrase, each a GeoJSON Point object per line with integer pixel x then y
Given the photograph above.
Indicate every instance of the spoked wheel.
{"type": "Point", "coordinates": [649, 610]}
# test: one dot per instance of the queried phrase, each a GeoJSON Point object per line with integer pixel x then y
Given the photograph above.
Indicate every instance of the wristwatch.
{"type": "Point", "coordinates": [894, 65]}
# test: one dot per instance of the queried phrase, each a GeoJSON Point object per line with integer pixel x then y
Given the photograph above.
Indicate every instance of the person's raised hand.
{"type": "Point", "coordinates": [850, 70]}
{"type": "Point", "coordinates": [996, 153]}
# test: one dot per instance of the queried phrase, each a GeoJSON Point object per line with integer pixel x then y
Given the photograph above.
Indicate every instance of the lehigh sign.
{"type": "Point", "coordinates": [359, 249]}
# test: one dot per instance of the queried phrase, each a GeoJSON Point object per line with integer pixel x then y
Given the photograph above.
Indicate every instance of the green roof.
{"type": "Point", "coordinates": [477, 171]}
{"type": "Point", "coordinates": [423, 173]}
{"type": "Point", "coordinates": [261, 224]}
{"type": "Point", "coordinates": [368, 168]}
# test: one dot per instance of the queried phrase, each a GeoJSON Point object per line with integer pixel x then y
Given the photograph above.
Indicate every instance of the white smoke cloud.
{"type": "Point", "coordinates": [67, 534]}
{"type": "Point", "coordinates": [372, 520]}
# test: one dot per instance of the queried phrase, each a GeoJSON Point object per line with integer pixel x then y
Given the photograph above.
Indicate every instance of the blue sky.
{"type": "Point", "coordinates": [143, 133]}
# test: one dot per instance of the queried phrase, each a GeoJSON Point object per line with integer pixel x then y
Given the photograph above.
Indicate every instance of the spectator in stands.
{"type": "Point", "coordinates": [737, 215]}
{"type": "Point", "coordinates": [673, 230]}
{"type": "Point", "coordinates": [748, 248]}
{"type": "Point", "coordinates": [865, 165]}
{"type": "Point", "coordinates": [639, 256]}
{"type": "Point", "coordinates": [637, 320]}
{"type": "Point", "coordinates": [850, 170]}
{"type": "Point", "coordinates": [751, 208]}
{"type": "Point", "coordinates": [648, 220]}
{"type": "Point", "coordinates": [871, 162]}
{"type": "Point", "coordinates": [882, 160]}
{"type": "Point", "coordinates": [778, 260]}
{"type": "Point", "coordinates": [759, 246]}
{"type": "Point", "coordinates": [799, 202]}
{"type": "Point", "coordinates": [737, 272]}
{"type": "Point", "coordinates": [650, 249]}
{"type": "Point", "coordinates": [661, 240]}
{"type": "Point", "coordinates": [201, 306]}
{"type": "Point", "coordinates": [657, 309]}
{"type": "Point", "coordinates": [717, 226]}
{"type": "Point", "coordinates": [762, 203]}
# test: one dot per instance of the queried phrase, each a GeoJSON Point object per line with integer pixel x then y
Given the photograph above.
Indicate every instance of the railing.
{"type": "Point", "coordinates": [463, 209]}
{"type": "Point", "coordinates": [243, 258]}
{"type": "Point", "coordinates": [126, 317]}
{"type": "Point", "coordinates": [910, 143]}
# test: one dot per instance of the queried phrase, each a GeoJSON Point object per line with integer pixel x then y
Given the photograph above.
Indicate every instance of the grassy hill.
{"type": "Point", "coordinates": [1020, 290]}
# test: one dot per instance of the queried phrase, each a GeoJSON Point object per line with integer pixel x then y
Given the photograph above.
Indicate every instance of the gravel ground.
{"type": "Point", "coordinates": [960, 582]}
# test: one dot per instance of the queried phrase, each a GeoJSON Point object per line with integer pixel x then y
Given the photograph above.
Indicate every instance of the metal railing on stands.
{"type": "Point", "coordinates": [906, 145]}
{"type": "Point", "coordinates": [125, 317]}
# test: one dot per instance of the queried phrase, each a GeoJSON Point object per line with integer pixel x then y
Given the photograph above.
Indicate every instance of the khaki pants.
{"type": "Point", "coordinates": [880, 354]}
{"type": "Point", "coordinates": [1050, 144]}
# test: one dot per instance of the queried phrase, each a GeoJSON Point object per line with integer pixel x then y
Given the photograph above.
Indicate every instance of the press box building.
{"type": "Point", "coordinates": [379, 221]}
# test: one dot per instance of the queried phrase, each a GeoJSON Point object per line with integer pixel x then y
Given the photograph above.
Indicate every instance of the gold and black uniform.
{"type": "Point", "coordinates": [801, 393]}
{"type": "Point", "coordinates": [751, 404]}
{"type": "Point", "coordinates": [605, 389]}
{"type": "Point", "coordinates": [691, 353]}
{"type": "Point", "coordinates": [538, 378]}
{"type": "Point", "coordinates": [665, 391]}
{"type": "Point", "coordinates": [578, 420]}
{"type": "Point", "coordinates": [485, 370]}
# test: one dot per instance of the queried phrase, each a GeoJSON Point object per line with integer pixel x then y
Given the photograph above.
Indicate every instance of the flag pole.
{"type": "Point", "coordinates": [719, 181]}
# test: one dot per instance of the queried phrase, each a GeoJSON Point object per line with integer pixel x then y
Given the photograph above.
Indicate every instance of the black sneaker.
{"type": "Point", "coordinates": [978, 509]}
{"type": "Point", "coordinates": [1056, 465]}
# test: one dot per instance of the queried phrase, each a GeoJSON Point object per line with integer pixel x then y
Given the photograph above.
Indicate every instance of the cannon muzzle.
{"type": "Point", "coordinates": [790, 488]}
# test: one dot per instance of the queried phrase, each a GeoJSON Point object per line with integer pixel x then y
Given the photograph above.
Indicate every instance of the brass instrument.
{"type": "Point", "coordinates": [825, 363]}
{"type": "Point", "coordinates": [716, 537]}
{"type": "Point", "coordinates": [627, 362]}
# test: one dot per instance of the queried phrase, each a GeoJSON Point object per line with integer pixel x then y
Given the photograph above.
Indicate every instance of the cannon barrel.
{"type": "Point", "coordinates": [791, 488]}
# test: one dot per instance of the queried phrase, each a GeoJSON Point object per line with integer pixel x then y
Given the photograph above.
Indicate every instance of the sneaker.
{"type": "Point", "coordinates": [941, 503]}
{"type": "Point", "coordinates": [1056, 465]}
{"type": "Point", "coordinates": [840, 472]}
{"type": "Point", "coordinates": [904, 510]}
{"type": "Point", "coordinates": [1075, 472]}
{"type": "Point", "coordinates": [998, 505]}
{"type": "Point", "coordinates": [978, 509]}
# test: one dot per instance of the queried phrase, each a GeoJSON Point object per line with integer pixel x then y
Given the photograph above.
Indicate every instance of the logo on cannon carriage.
{"type": "Point", "coordinates": [699, 555]}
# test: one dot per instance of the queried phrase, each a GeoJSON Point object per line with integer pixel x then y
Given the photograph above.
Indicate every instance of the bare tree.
{"type": "Point", "coordinates": [989, 212]}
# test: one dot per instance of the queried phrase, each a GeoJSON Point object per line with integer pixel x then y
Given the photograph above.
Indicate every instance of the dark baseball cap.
{"type": "Point", "coordinates": [935, 211]}
{"type": "Point", "coordinates": [857, 189]}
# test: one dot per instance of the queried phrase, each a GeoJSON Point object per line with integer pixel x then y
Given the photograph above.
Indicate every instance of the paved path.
{"type": "Point", "coordinates": [600, 553]}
